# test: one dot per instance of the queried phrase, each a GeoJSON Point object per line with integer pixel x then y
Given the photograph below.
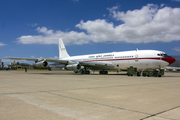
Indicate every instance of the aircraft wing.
{"type": "Point", "coordinates": [92, 65]}
{"type": "Point", "coordinates": [17, 58]}
{"type": "Point", "coordinates": [57, 61]}
{"type": "Point", "coordinates": [36, 59]}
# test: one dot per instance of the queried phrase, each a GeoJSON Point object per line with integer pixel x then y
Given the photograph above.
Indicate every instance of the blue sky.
{"type": "Point", "coordinates": [31, 28]}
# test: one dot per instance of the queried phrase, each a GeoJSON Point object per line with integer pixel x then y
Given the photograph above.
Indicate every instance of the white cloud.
{"type": "Point", "coordinates": [33, 24]}
{"type": "Point", "coordinates": [135, 17]}
{"type": "Point", "coordinates": [176, 0]}
{"type": "Point", "coordinates": [98, 30]}
{"type": "Point", "coordinates": [75, 0]}
{"type": "Point", "coordinates": [52, 37]}
{"type": "Point", "coordinates": [113, 8]}
{"type": "Point", "coordinates": [148, 24]}
{"type": "Point", "coordinates": [162, 5]}
{"type": "Point", "coordinates": [1, 44]}
{"type": "Point", "coordinates": [176, 49]}
{"type": "Point", "coordinates": [7, 62]}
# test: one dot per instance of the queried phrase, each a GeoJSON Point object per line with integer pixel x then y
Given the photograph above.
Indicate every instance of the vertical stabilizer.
{"type": "Point", "coordinates": [62, 50]}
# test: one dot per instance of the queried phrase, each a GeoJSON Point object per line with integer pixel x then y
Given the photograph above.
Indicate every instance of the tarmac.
{"type": "Point", "coordinates": [64, 95]}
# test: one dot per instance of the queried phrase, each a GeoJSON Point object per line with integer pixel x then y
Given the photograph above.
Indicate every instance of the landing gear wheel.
{"type": "Point", "coordinates": [87, 72]}
{"type": "Point", "coordinates": [103, 72]}
{"type": "Point", "coordinates": [82, 71]}
{"type": "Point", "coordinates": [144, 75]}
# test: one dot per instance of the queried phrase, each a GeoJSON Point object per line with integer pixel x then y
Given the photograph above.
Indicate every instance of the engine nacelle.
{"type": "Point", "coordinates": [41, 63]}
{"type": "Point", "coordinates": [73, 67]}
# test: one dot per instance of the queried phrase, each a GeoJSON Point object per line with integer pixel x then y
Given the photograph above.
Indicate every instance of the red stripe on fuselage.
{"type": "Point", "coordinates": [170, 60]}
{"type": "Point", "coordinates": [121, 59]}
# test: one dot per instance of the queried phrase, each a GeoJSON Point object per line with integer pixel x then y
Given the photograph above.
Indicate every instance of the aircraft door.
{"type": "Point", "coordinates": [158, 63]}
{"type": "Point", "coordinates": [136, 57]}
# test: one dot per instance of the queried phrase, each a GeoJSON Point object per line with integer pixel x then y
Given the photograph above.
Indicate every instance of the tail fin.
{"type": "Point", "coordinates": [62, 50]}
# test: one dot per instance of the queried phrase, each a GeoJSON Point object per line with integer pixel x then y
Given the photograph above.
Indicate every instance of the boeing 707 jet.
{"type": "Point", "coordinates": [104, 62]}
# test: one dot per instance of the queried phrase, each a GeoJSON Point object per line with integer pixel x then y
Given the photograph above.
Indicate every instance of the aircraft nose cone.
{"type": "Point", "coordinates": [170, 60]}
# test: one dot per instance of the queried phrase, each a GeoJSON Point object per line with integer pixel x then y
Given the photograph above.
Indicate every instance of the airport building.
{"type": "Point", "coordinates": [18, 65]}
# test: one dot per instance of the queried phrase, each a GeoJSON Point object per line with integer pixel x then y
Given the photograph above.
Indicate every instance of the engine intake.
{"type": "Point", "coordinates": [41, 63]}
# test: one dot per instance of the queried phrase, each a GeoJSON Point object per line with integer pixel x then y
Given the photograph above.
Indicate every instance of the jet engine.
{"type": "Point", "coordinates": [73, 67]}
{"type": "Point", "coordinates": [41, 63]}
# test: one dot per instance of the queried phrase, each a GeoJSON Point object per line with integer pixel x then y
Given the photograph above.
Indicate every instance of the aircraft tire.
{"type": "Point", "coordinates": [144, 75]}
{"type": "Point", "coordinates": [103, 72]}
{"type": "Point", "coordinates": [87, 72]}
{"type": "Point", "coordinates": [82, 71]}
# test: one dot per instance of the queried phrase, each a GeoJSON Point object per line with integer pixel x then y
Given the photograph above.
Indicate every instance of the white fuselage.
{"type": "Point", "coordinates": [141, 59]}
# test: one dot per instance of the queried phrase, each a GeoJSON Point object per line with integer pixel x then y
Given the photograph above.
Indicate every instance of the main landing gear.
{"type": "Point", "coordinates": [85, 72]}
{"type": "Point", "coordinates": [103, 72]}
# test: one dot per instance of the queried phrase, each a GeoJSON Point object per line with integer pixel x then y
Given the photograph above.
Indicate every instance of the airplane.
{"type": "Point", "coordinates": [105, 62]}
{"type": "Point", "coordinates": [6, 67]}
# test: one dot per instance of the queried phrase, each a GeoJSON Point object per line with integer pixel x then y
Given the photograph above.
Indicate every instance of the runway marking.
{"type": "Point", "coordinates": [79, 115]}
{"type": "Point", "coordinates": [98, 103]}
{"type": "Point", "coordinates": [75, 114]}
{"type": "Point", "coordinates": [125, 109]}
{"type": "Point", "coordinates": [161, 113]}
{"type": "Point", "coordinates": [83, 88]}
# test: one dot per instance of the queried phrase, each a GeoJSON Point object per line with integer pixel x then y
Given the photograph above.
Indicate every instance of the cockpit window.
{"type": "Point", "coordinates": [163, 55]}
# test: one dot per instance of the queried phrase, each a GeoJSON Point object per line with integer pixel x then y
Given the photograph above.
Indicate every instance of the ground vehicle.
{"type": "Point", "coordinates": [153, 72]}
{"type": "Point", "coordinates": [133, 71]}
